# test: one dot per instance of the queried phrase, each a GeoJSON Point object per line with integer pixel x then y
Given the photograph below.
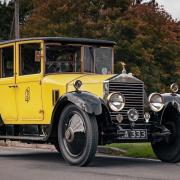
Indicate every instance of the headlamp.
{"type": "Point", "coordinates": [116, 101]}
{"type": "Point", "coordinates": [156, 102]}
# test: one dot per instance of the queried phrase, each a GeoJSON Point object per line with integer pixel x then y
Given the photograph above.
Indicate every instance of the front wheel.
{"type": "Point", "coordinates": [77, 135]}
{"type": "Point", "coordinates": [168, 150]}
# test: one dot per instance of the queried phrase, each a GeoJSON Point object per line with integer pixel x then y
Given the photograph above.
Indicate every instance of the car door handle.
{"type": "Point", "coordinates": [13, 86]}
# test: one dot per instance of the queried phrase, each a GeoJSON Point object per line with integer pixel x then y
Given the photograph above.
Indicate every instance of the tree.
{"type": "Point", "coordinates": [90, 18]}
{"type": "Point", "coordinates": [149, 41]}
{"type": "Point", "coordinates": [137, 2]}
{"type": "Point", "coordinates": [7, 14]}
{"type": "Point", "coordinates": [147, 37]}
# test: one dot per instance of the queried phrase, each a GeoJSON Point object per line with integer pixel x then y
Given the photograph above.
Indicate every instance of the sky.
{"type": "Point", "coordinates": [171, 6]}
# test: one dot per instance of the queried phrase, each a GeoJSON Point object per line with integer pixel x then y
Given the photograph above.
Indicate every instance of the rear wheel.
{"type": "Point", "coordinates": [77, 135]}
{"type": "Point", "coordinates": [168, 150]}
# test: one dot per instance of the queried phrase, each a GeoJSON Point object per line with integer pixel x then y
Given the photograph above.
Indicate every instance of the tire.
{"type": "Point", "coordinates": [77, 136]}
{"type": "Point", "coordinates": [168, 150]}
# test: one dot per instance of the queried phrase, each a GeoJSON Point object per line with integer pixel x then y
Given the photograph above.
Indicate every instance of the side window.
{"type": "Point", "coordinates": [7, 61]}
{"type": "Point", "coordinates": [63, 58]}
{"type": "Point", "coordinates": [29, 61]}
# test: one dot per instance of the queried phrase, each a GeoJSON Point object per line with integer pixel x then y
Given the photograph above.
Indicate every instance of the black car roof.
{"type": "Point", "coordinates": [65, 40]}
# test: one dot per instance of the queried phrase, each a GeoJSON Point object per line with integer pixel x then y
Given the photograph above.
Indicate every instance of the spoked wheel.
{"type": "Point", "coordinates": [168, 150]}
{"type": "Point", "coordinates": [77, 135]}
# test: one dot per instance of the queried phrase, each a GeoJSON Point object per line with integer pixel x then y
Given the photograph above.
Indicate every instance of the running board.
{"type": "Point", "coordinates": [28, 138]}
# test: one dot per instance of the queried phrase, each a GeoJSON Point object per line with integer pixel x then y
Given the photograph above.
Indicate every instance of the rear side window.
{"type": "Point", "coordinates": [7, 61]}
{"type": "Point", "coordinates": [29, 64]}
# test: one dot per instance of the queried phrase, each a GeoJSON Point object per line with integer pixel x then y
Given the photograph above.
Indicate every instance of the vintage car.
{"type": "Point", "coordinates": [63, 91]}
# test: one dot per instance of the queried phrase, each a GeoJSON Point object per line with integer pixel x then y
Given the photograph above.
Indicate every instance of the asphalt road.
{"type": "Point", "coordinates": [29, 164]}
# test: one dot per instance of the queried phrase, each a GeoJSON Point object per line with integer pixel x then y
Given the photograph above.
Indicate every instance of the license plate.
{"type": "Point", "coordinates": [133, 134]}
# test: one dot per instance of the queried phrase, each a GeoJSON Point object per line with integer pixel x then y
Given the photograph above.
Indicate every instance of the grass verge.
{"type": "Point", "coordinates": [137, 150]}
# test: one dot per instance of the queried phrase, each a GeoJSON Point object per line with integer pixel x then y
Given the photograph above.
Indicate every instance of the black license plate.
{"type": "Point", "coordinates": [132, 134]}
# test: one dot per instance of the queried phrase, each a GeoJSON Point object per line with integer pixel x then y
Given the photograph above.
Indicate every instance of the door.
{"type": "Point", "coordinates": [8, 109]}
{"type": "Point", "coordinates": [28, 80]}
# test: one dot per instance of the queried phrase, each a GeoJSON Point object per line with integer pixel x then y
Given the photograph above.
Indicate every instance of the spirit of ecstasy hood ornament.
{"type": "Point", "coordinates": [124, 73]}
{"type": "Point", "coordinates": [123, 66]}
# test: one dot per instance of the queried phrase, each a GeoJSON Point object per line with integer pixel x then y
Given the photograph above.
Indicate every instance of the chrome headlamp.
{"type": "Point", "coordinates": [133, 115]}
{"type": "Point", "coordinates": [174, 88]}
{"type": "Point", "coordinates": [77, 84]}
{"type": "Point", "coordinates": [156, 102]}
{"type": "Point", "coordinates": [116, 101]}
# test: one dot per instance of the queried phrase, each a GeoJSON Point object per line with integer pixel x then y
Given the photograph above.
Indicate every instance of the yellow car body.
{"type": "Point", "coordinates": [15, 109]}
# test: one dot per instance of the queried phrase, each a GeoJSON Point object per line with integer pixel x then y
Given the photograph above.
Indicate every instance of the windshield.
{"type": "Point", "coordinates": [98, 60]}
{"type": "Point", "coordinates": [69, 58]}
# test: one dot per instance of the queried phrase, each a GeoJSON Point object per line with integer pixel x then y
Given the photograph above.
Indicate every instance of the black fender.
{"type": "Point", "coordinates": [171, 105]}
{"type": "Point", "coordinates": [84, 100]}
{"type": "Point", "coordinates": [172, 99]}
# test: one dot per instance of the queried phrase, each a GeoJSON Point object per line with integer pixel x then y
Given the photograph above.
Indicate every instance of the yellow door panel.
{"type": "Point", "coordinates": [8, 102]}
{"type": "Point", "coordinates": [8, 110]}
{"type": "Point", "coordinates": [29, 91]}
{"type": "Point", "coordinates": [28, 97]}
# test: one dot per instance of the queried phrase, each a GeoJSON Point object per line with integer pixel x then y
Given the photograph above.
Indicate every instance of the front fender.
{"type": "Point", "coordinates": [172, 100]}
{"type": "Point", "coordinates": [84, 100]}
{"type": "Point", "coordinates": [171, 107]}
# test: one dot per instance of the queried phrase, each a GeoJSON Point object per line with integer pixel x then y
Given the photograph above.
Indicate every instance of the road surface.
{"type": "Point", "coordinates": [29, 164]}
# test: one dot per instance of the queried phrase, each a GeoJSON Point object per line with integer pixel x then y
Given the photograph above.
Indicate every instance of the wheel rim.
{"type": "Point", "coordinates": [74, 134]}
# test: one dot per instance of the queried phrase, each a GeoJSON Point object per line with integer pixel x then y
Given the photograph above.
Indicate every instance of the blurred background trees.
{"type": "Point", "coordinates": [147, 37]}
{"type": "Point", "coordinates": [6, 18]}
{"type": "Point", "coordinates": [7, 15]}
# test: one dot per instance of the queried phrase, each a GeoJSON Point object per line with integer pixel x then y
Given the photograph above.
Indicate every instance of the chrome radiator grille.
{"type": "Point", "coordinates": [134, 96]}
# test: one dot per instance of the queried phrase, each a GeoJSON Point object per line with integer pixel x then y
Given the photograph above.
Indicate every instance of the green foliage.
{"type": "Point", "coordinates": [137, 150]}
{"type": "Point", "coordinates": [6, 17]}
{"type": "Point", "coordinates": [7, 14]}
{"type": "Point", "coordinates": [26, 7]}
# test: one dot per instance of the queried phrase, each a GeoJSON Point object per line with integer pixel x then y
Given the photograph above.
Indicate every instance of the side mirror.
{"type": "Point", "coordinates": [38, 56]}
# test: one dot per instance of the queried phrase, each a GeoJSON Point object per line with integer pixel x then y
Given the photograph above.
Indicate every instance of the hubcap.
{"type": "Point", "coordinates": [69, 134]}
{"type": "Point", "coordinates": [74, 134]}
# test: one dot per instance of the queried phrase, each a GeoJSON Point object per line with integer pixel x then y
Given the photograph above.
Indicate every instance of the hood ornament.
{"type": "Point", "coordinates": [123, 66]}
